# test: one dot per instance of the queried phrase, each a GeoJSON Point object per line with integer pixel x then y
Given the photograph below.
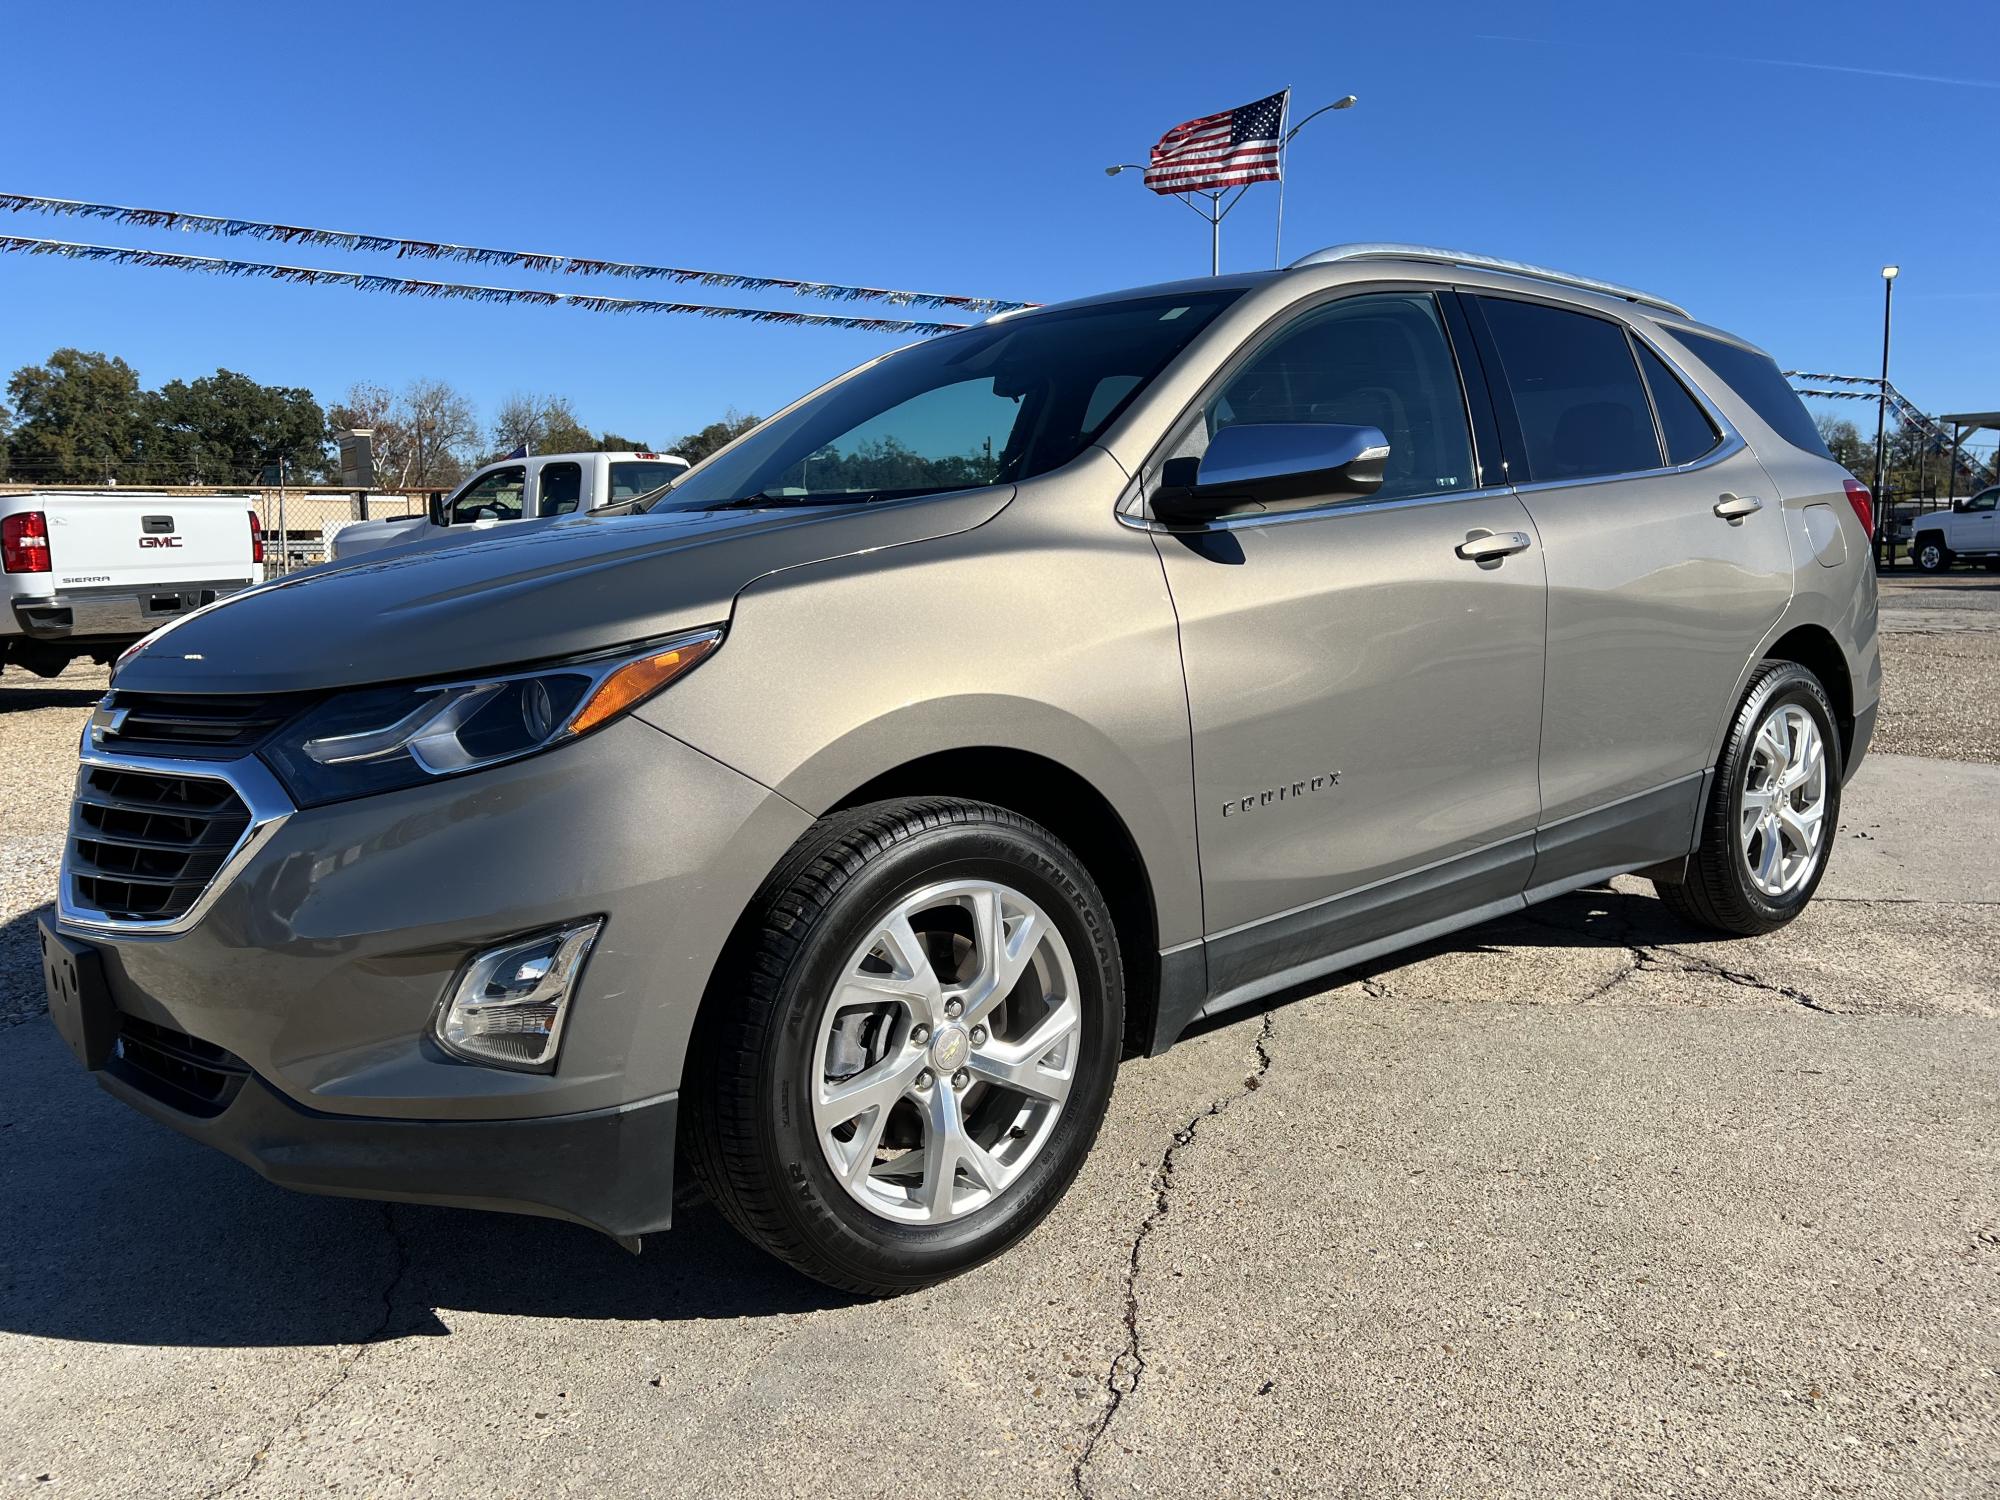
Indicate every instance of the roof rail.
{"type": "Point", "coordinates": [1436, 256]}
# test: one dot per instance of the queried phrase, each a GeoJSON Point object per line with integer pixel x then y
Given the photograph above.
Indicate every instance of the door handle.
{"type": "Point", "coordinates": [1733, 508]}
{"type": "Point", "coordinates": [1491, 546]}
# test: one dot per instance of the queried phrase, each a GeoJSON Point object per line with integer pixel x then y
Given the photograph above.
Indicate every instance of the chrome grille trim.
{"type": "Point", "coordinates": [255, 787]}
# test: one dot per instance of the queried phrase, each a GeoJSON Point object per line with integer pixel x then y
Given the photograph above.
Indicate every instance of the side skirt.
{"type": "Point", "coordinates": [1240, 967]}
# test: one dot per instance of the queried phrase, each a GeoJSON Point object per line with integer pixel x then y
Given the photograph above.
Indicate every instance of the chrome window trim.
{"type": "Point", "coordinates": [1728, 448]}
{"type": "Point", "coordinates": [253, 784]}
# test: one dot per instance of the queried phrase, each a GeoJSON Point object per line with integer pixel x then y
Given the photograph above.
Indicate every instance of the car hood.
{"type": "Point", "coordinates": [366, 536]}
{"type": "Point", "coordinates": [540, 591]}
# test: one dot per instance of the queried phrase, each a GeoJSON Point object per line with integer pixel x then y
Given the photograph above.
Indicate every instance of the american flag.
{"type": "Point", "coordinates": [1220, 151]}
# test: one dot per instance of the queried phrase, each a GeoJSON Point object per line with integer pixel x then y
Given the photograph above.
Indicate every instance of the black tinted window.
{"type": "Point", "coordinates": [1757, 379]}
{"type": "Point", "coordinates": [562, 488]}
{"type": "Point", "coordinates": [1366, 362]}
{"type": "Point", "coordinates": [1683, 423]}
{"type": "Point", "coordinates": [1576, 391]}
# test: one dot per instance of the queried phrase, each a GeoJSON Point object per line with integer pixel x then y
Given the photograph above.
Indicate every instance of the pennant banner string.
{"type": "Point", "coordinates": [457, 291]}
{"type": "Point", "coordinates": [293, 234]}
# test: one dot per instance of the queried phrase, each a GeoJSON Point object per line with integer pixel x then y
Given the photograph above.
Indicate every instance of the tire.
{"type": "Point", "coordinates": [1930, 554]}
{"type": "Point", "coordinates": [1720, 889]}
{"type": "Point", "coordinates": [799, 1014]}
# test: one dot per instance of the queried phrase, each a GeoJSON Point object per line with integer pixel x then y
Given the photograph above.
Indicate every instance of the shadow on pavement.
{"type": "Point", "coordinates": [20, 699]}
{"type": "Point", "coordinates": [1597, 916]}
{"type": "Point", "coordinates": [116, 1230]}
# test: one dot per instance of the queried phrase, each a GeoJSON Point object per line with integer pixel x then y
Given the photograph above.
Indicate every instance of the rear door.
{"type": "Point", "coordinates": [1977, 528]}
{"type": "Point", "coordinates": [1364, 686]}
{"type": "Point", "coordinates": [1667, 563]}
{"type": "Point", "coordinates": [119, 540]}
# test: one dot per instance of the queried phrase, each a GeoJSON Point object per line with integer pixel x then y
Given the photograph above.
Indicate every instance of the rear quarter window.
{"type": "Point", "coordinates": [1756, 378]}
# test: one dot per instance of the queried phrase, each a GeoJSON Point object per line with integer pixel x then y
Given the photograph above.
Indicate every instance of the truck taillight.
{"type": "Point", "coordinates": [256, 538]}
{"type": "Point", "coordinates": [1863, 503]}
{"type": "Point", "coordinates": [24, 542]}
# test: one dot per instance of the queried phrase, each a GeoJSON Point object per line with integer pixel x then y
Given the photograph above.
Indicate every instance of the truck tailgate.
{"type": "Point", "coordinates": [100, 541]}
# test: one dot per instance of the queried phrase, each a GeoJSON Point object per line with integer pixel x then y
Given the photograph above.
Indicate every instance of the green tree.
{"type": "Point", "coordinates": [611, 442]}
{"type": "Point", "coordinates": [226, 428]}
{"type": "Point", "coordinates": [78, 420]}
{"type": "Point", "coordinates": [6, 422]}
{"type": "Point", "coordinates": [698, 445]}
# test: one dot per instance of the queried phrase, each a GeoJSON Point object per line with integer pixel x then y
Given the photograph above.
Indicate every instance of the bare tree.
{"type": "Point", "coordinates": [543, 424]}
{"type": "Point", "coordinates": [424, 436]}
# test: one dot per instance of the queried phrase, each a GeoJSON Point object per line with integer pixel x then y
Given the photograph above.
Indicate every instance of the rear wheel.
{"type": "Point", "coordinates": [915, 1046]}
{"type": "Point", "coordinates": [1772, 809]}
{"type": "Point", "coordinates": [1930, 554]}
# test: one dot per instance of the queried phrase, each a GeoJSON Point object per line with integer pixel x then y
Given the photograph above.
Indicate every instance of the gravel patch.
{"type": "Point", "coordinates": [40, 720]}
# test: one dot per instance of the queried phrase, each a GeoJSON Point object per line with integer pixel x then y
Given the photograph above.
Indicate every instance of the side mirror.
{"type": "Point", "coordinates": [435, 508]}
{"type": "Point", "coordinates": [1257, 464]}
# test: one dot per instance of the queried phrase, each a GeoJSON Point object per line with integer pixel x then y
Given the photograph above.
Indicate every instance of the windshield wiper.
{"type": "Point", "coordinates": [763, 500]}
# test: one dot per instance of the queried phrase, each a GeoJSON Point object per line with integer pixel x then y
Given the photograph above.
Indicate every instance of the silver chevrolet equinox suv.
{"type": "Point", "coordinates": [990, 714]}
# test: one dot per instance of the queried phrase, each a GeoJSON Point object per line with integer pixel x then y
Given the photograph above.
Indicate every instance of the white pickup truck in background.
{"type": "Point", "coordinates": [516, 489]}
{"type": "Point", "coordinates": [1968, 529]}
{"type": "Point", "coordinates": [87, 574]}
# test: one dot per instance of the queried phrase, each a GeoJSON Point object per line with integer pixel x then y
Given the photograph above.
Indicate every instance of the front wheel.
{"type": "Point", "coordinates": [1930, 554]}
{"type": "Point", "coordinates": [911, 1050]}
{"type": "Point", "coordinates": [1772, 809]}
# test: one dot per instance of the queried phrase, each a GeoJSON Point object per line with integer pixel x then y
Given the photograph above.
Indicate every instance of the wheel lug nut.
{"type": "Point", "coordinates": [920, 1034]}
{"type": "Point", "coordinates": [924, 1080]}
{"type": "Point", "coordinates": [979, 1036]}
{"type": "Point", "coordinates": [960, 1079]}
{"type": "Point", "coordinates": [954, 1008]}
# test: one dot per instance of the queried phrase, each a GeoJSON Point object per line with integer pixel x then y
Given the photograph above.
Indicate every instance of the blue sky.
{"type": "Point", "coordinates": [1759, 163]}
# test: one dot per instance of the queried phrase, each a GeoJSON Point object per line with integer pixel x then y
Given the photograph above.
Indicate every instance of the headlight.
{"type": "Point", "coordinates": [378, 739]}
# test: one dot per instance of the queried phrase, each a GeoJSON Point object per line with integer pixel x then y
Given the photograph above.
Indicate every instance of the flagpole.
{"type": "Point", "coordinates": [1278, 236]}
{"type": "Point", "coordinates": [1215, 234]}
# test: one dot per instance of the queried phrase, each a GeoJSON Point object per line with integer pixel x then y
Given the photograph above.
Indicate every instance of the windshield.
{"type": "Point", "coordinates": [997, 403]}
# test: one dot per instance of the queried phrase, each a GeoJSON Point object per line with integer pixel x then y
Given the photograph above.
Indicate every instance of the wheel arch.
{"type": "Point", "coordinates": [1814, 648]}
{"type": "Point", "coordinates": [1076, 812]}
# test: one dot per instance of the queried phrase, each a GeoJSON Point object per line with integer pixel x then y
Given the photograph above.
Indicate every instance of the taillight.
{"type": "Point", "coordinates": [256, 538]}
{"type": "Point", "coordinates": [24, 542]}
{"type": "Point", "coordinates": [1863, 503]}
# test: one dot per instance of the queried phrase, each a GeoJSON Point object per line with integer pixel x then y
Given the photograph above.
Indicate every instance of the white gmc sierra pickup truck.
{"type": "Point", "coordinates": [85, 574]}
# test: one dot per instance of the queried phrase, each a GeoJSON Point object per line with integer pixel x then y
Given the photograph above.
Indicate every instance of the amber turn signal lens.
{"type": "Point", "coordinates": [637, 681]}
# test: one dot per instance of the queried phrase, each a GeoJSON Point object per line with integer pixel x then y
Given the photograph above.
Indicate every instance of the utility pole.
{"type": "Point", "coordinates": [1882, 413]}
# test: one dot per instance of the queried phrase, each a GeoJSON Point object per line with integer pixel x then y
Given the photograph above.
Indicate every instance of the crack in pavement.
{"type": "Point", "coordinates": [379, 1333]}
{"type": "Point", "coordinates": [1653, 958]}
{"type": "Point", "coordinates": [1130, 1362]}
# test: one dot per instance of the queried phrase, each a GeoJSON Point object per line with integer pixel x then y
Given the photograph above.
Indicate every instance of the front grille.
{"type": "Point", "coordinates": [198, 723]}
{"type": "Point", "coordinates": [144, 845]}
{"type": "Point", "coordinates": [181, 1071]}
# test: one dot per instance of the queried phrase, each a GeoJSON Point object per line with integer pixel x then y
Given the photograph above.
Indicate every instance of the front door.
{"type": "Point", "coordinates": [1364, 685]}
{"type": "Point", "coordinates": [1667, 563]}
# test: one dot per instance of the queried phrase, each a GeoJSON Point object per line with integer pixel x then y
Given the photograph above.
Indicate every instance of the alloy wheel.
{"type": "Point", "coordinates": [946, 1052]}
{"type": "Point", "coordinates": [1782, 808]}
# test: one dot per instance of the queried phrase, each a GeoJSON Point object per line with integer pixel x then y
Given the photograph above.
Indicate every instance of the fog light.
{"type": "Point", "coordinates": [508, 1006]}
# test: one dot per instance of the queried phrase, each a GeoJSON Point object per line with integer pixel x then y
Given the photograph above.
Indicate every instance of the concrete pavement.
{"type": "Point", "coordinates": [1578, 1203]}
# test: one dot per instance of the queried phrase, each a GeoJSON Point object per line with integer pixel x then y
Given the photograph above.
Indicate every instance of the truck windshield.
{"type": "Point", "coordinates": [1000, 402]}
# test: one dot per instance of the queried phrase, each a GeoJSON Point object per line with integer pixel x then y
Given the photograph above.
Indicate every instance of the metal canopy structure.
{"type": "Point", "coordinates": [1970, 421]}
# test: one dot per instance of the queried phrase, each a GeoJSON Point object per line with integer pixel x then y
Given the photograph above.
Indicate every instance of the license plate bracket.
{"type": "Point", "coordinates": [80, 1002]}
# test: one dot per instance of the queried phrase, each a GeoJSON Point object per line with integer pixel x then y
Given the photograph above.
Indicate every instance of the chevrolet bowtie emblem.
{"type": "Point", "coordinates": [106, 722]}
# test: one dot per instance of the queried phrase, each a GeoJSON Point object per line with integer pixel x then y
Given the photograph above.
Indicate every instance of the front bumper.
{"type": "Point", "coordinates": [116, 614]}
{"type": "Point", "coordinates": [319, 964]}
{"type": "Point", "coordinates": [611, 1169]}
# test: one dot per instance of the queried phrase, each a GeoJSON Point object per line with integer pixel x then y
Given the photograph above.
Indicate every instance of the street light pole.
{"type": "Point", "coordinates": [1882, 396]}
{"type": "Point", "coordinates": [1213, 215]}
{"type": "Point", "coordinates": [1345, 101]}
